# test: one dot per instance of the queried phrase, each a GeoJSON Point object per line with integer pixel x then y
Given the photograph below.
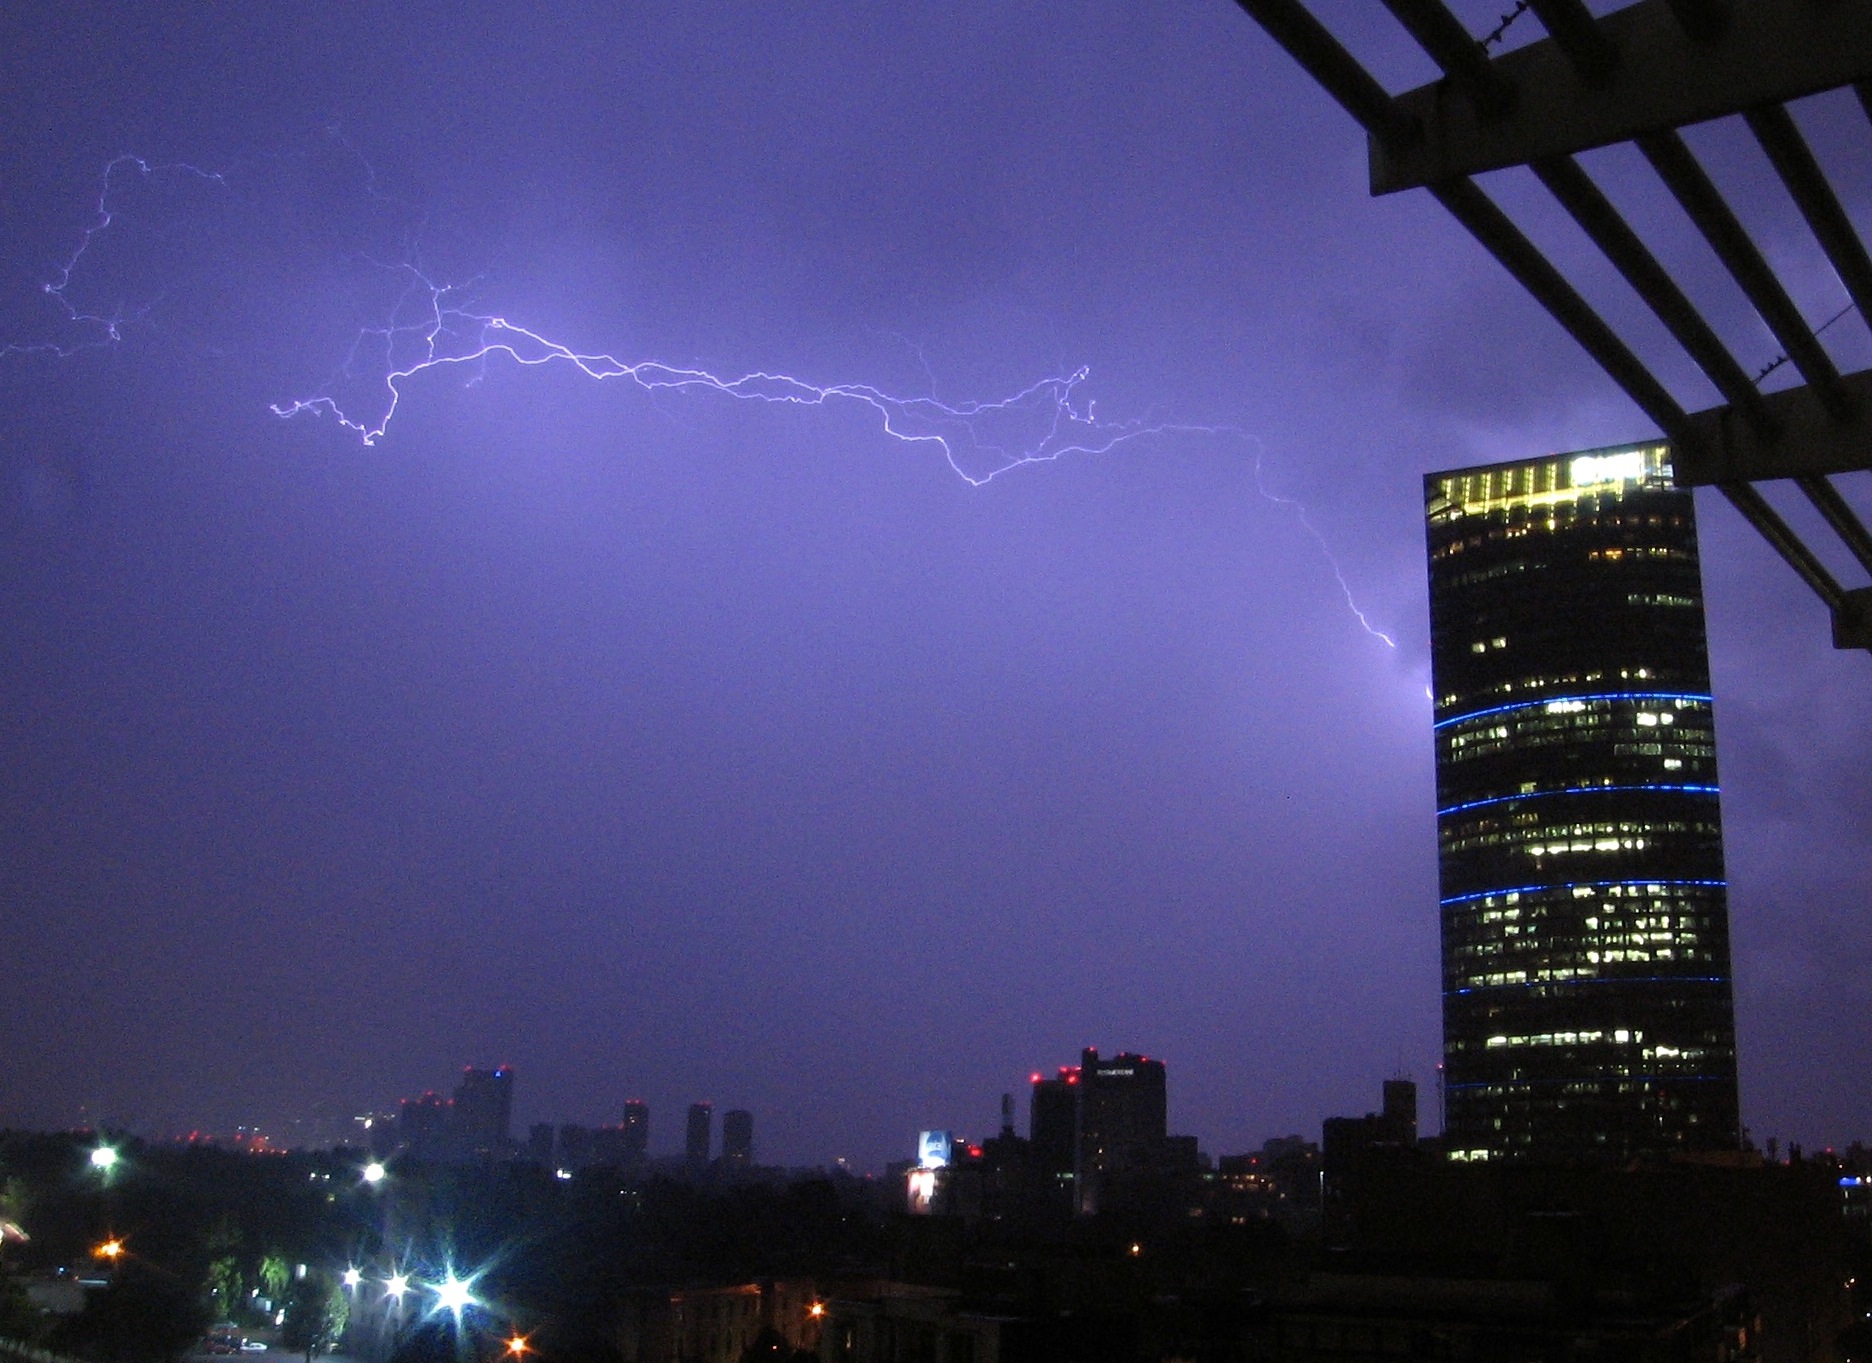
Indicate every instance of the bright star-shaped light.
{"type": "Point", "coordinates": [454, 1295]}
{"type": "Point", "coordinates": [353, 1276]}
{"type": "Point", "coordinates": [104, 1157]}
{"type": "Point", "coordinates": [374, 1172]}
{"type": "Point", "coordinates": [397, 1286]}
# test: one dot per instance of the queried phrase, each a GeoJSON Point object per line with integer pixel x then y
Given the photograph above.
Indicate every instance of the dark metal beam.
{"type": "Point", "coordinates": [1309, 42]}
{"type": "Point", "coordinates": [1852, 620]}
{"type": "Point", "coordinates": [1439, 33]}
{"type": "Point", "coordinates": [1767, 521]}
{"type": "Point", "coordinates": [1707, 208]}
{"type": "Point", "coordinates": [1705, 21]}
{"type": "Point", "coordinates": [1590, 208]}
{"type": "Point", "coordinates": [1774, 51]}
{"type": "Point", "coordinates": [1774, 128]}
{"type": "Point", "coordinates": [1594, 56]}
{"type": "Point", "coordinates": [1522, 259]}
{"type": "Point", "coordinates": [1844, 520]}
{"type": "Point", "coordinates": [1808, 440]}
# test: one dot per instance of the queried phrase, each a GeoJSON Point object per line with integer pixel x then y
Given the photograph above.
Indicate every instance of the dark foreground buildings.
{"type": "Point", "coordinates": [1586, 991]}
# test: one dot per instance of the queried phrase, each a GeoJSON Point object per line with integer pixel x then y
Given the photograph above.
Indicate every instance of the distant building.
{"type": "Point", "coordinates": [608, 1147]}
{"type": "Point", "coordinates": [720, 1324]}
{"type": "Point", "coordinates": [1587, 1010]}
{"type": "Point", "coordinates": [484, 1111]}
{"type": "Point", "coordinates": [636, 1131]}
{"type": "Point", "coordinates": [737, 1138]}
{"type": "Point", "coordinates": [424, 1124]}
{"type": "Point", "coordinates": [1123, 1121]}
{"type": "Point", "coordinates": [700, 1133]}
{"type": "Point", "coordinates": [575, 1147]}
{"type": "Point", "coordinates": [1357, 1150]}
{"type": "Point", "coordinates": [379, 1132]}
{"type": "Point", "coordinates": [1053, 1130]}
{"type": "Point", "coordinates": [540, 1144]}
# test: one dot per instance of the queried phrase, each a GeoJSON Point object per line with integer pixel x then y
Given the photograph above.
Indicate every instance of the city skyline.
{"type": "Point", "coordinates": [669, 745]}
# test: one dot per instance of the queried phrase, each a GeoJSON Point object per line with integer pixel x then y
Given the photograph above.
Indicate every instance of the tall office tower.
{"type": "Point", "coordinates": [1053, 1128]}
{"type": "Point", "coordinates": [1587, 1012]}
{"type": "Point", "coordinates": [1123, 1121]}
{"type": "Point", "coordinates": [636, 1131]}
{"type": "Point", "coordinates": [539, 1147]}
{"type": "Point", "coordinates": [700, 1133]}
{"type": "Point", "coordinates": [1400, 1109]}
{"type": "Point", "coordinates": [484, 1110]}
{"type": "Point", "coordinates": [737, 1138]}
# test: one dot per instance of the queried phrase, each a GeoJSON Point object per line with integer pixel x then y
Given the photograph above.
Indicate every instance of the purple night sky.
{"type": "Point", "coordinates": [674, 747]}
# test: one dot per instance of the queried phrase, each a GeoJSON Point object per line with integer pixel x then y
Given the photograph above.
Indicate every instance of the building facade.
{"type": "Point", "coordinates": [1587, 1009]}
{"type": "Point", "coordinates": [737, 1138]}
{"type": "Point", "coordinates": [484, 1111]}
{"type": "Point", "coordinates": [636, 1131]}
{"type": "Point", "coordinates": [699, 1134]}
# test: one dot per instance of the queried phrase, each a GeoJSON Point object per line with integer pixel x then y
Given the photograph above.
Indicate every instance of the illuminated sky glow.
{"type": "Point", "coordinates": [673, 747]}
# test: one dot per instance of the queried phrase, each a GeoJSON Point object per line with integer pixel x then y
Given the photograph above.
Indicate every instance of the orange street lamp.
{"type": "Point", "coordinates": [816, 1310]}
{"type": "Point", "coordinates": [517, 1346]}
{"type": "Point", "coordinates": [111, 1249]}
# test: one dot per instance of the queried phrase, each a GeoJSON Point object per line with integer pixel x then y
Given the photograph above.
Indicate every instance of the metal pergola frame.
{"type": "Point", "coordinates": [1639, 75]}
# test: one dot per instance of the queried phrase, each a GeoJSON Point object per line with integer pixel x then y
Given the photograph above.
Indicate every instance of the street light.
{"type": "Point", "coordinates": [104, 1158]}
{"type": "Point", "coordinates": [112, 1250]}
{"type": "Point", "coordinates": [374, 1172]}
{"type": "Point", "coordinates": [353, 1276]}
{"type": "Point", "coordinates": [396, 1287]}
{"type": "Point", "coordinates": [517, 1346]}
{"type": "Point", "coordinates": [454, 1295]}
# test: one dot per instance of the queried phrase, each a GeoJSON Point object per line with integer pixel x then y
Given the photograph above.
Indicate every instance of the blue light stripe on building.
{"type": "Point", "coordinates": [1575, 884]}
{"type": "Point", "coordinates": [1576, 790]}
{"type": "Point", "coordinates": [1696, 696]}
{"type": "Point", "coordinates": [1594, 980]}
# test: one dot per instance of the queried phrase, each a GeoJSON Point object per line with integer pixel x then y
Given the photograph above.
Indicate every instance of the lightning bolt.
{"type": "Point", "coordinates": [100, 329]}
{"type": "Point", "coordinates": [430, 329]}
{"type": "Point", "coordinates": [1300, 514]}
{"type": "Point", "coordinates": [432, 325]}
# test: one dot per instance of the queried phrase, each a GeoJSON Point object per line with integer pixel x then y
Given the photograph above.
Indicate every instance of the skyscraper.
{"type": "Point", "coordinates": [1053, 1129]}
{"type": "Point", "coordinates": [484, 1110]}
{"type": "Point", "coordinates": [1123, 1121]}
{"type": "Point", "coordinates": [636, 1131]}
{"type": "Point", "coordinates": [1586, 991]}
{"type": "Point", "coordinates": [700, 1133]}
{"type": "Point", "coordinates": [737, 1138]}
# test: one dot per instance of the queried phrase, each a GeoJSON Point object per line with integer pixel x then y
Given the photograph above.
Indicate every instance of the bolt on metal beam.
{"type": "Point", "coordinates": [1451, 47]}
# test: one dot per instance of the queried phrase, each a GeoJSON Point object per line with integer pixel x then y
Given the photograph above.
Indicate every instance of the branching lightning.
{"type": "Point", "coordinates": [433, 325]}
{"type": "Point", "coordinates": [1300, 514]}
{"type": "Point", "coordinates": [98, 329]}
{"type": "Point", "coordinates": [429, 329]}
